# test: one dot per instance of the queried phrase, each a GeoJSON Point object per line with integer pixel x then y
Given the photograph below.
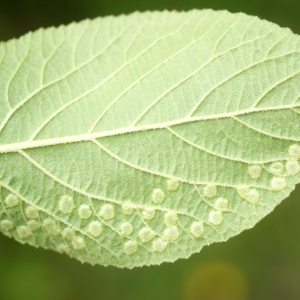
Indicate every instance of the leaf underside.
{"type": "Point", "coordinates": [139, 139]}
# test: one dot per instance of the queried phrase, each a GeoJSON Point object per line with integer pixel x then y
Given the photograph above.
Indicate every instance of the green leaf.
{"type": "Point", "coordinates": [139, 139]}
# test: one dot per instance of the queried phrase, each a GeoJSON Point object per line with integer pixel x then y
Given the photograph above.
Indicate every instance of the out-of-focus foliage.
{"type": "Point", "coordinates": [19, 16]}
{"type": "Point", "coordinates": [264, 263]}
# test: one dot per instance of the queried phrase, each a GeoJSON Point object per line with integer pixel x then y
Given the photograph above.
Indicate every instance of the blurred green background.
{"type": "Point", "coordinates": [260, 264]}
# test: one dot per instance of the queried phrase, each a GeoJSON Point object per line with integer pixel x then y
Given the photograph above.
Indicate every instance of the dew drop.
{"type": "Point", "coordinates": [172, 185]}
{"type": "Point", "coordinates": [63, 248]}
{"type": "Point", "coordinates": [95, 229]}
{"type": "Point", "coordinates": [32, 212]}
{"type": "Point", "coordinates": [254, 171]}
{"type": "Point", "coordinates": [148, 213]}
{"type": "Point", "coordinates": [6, 225]}
{"type": "Point", "coordinates": [146, 234]}
{"type": "Point", "coordinates": [170, 218]}
{"type": "Point", "coordinates": [210, 191]}
{"type": "Point", "coordinates": [11, 200]}
{"type": "Point", "coordinates": [215, 217]}
{"type": "Point", "coordinates": [130, 247]}
{"type": "Point", "coordinates": [171, 234]}
{"type": "Point", "coordinates": [66, 204]}
{"type": "Point", "coordinates": [158, 245]}
{"type": "Point", "coordinates": [294, 151]}
{"type": "Point", "coordinates": [126, 228]}
{"type": "Point", "coordinates": [158, 196]}
{"type": "Point", "coordinates": [51, 227]}
{"type": "Point", "coordinates": [253, 196]}
{"type": "Point", "coordinates": [24, 232]}
{"type": "Point", "coordinates": [68, 233]}
{"type": "Point", "coordinates": [277, 168]}
{"type": "Point", "coordinates": [128, 208]}
{"type": "Point", "coordinates": [278, 184]}
{"type": "Point", "coordinates": [84, 211]}
{"type": "Point", "coordinates": [107, 212]}
{"type": "Point", "coordinates": [292, 167]}
{"type": "Point", "coordinates": [243, 190]}
{"type": "Point", "coordinates": [78, 243]}
{"type": "Point", "coordinates": [250, 195]}
{"type": "Point", "coordinates": [221, 204]}
{"type": "Point", "coordinates": [197, 229]}
{"type": "Point", "coordinates": [33, 225]}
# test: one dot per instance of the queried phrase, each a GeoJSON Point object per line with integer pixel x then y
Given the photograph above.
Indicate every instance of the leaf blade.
{"type": "Point", "coordinates": [151, 124]}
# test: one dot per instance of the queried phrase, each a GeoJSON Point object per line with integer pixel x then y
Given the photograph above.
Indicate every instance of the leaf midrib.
{"type": "Point", "coordinates": [14, 147]}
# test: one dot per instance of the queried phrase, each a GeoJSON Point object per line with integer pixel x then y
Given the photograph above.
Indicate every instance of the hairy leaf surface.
{"type": "Point", "coordinates": [139, 139]}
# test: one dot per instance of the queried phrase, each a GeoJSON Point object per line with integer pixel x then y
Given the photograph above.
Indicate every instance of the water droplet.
{"type": "Point", "coordinates": [292, 167]}
{"type": "Point", "coordinates": [68, 233]}
{"type": "Point", "coordinates": [63, 248]}
{"type": "Point", "coordinates": [171, 218]}
{"type": "Point", "coordinates": [210, 191]}
{"type": "Point", "coordinates": [33, 225]}
{"type": "Point", "coordinates": [32, 212]}
{"type": "Point", "coordinates": [171, 234]}
{"type": "Point", "coordinates": [278, 184]}
{"type": "Point", "coordinates": [95, 228]}
{"type": "Point", "coordinates": [250, 195]}
{"type": "Point", "coordinates": [158, 196]}
{"type": "Point", "coordinates": [294, 151]}
{"type": "Point", "coordinates": [215, 217]}
{"type": "Point", "coordinates": [51, 227]}
{"type": "Point", "coordinates": [66, 204]}
{"type": "Point", "coordinates": [126, 228]}
{"type": "Point", "coordinates": [146, 234]}
{"type": "Point", "coordinates": [243, 190]}
{"type": "Point", "coordinates": [148, 213]}
{"type": "Point", "coordinates": [11, 200]}
{"type": "Point", "coordinates": [84, 211]}
{"type": "Point", "coordinates": [197, 229]}
{"type": "Point", "coordinates": [107, 212]}
{"type": "Point", "coordinates": [78, 243]}
{"type": "Point", "coordinates": [254, 171]}
{"type": "Point", "coordinates": [253, 196]}
{"type": "Point", "coordinates": [158, 245]}
{"type": "Point", "coordinates": [221, 204]}
{"type": "Point", "coordinates": [6, 225]}
{"type": "Point", "coordinates": [172, 185]}
{"type": "Point", "coordinates": [24, 232]}
{"type": "Point", "coordinates": [130, 247]}
{"type": "Point", "coordinates": [128, 208]}
{"type": "Point", "coordinates": [277, 168]}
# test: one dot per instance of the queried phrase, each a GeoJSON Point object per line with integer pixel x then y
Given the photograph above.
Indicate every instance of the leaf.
{"type": "Point", "coordinates": [139, 139]}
